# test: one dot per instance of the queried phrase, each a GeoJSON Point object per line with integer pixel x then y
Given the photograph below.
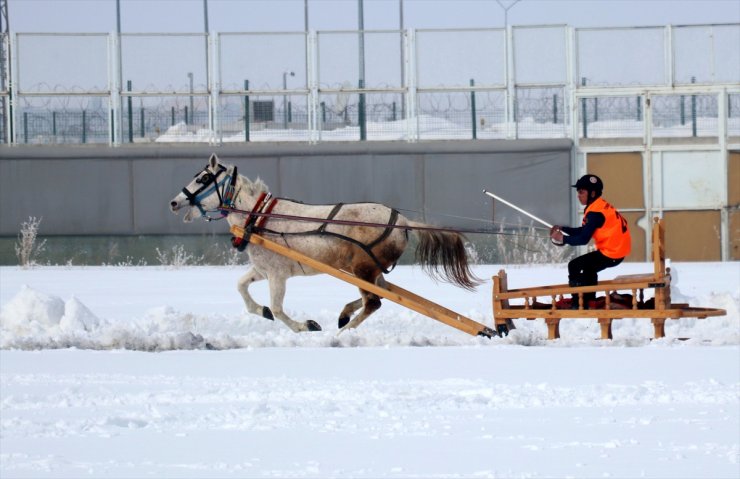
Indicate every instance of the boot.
{"type": "Point", "coordinates": [575, 297]}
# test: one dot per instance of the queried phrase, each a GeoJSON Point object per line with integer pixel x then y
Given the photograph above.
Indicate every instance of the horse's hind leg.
{"type": "Point", "coordinates": [347, 312]}
{"type": "Point", "coordinates": [350, 308]}
{"type": "Point", "coordinates": [277, 294]}
{"type": "Point", "coordinates": [370, 302]}
{"type": "Point", "coordinates": [243, 286]}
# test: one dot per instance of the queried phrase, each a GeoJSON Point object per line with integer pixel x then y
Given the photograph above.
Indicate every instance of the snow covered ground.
{"type": "Point", "coordinates": [156, 372]}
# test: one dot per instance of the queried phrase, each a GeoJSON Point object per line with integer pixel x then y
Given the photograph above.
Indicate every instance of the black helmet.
{"type": "Point", "coordinates": [589, 183]}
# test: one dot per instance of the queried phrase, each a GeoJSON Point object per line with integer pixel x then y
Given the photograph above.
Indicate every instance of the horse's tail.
{"type": "Point", "coordinates": [443, 256]}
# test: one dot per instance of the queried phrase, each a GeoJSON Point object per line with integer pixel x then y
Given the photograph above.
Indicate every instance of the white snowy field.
{"type": "Point", "coordinates": [155, 372]}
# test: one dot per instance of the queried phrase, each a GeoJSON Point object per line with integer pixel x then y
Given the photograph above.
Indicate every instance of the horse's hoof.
{"type": "Point", "coordinates": [266, 313]}
{"type": "Point", "coordinates": [313, 325]}
{"type": "Point", "coordinates": [342, 321]}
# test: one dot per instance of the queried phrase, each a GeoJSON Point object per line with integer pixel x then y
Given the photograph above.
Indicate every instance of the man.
{"type": "Point", "coordinates": [603, 223]}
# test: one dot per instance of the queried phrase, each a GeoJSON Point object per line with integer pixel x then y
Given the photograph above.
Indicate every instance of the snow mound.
{"type": "Point", "coordinates": [43, 318]}
{"type": "Point", "coordinates": [31, 312]}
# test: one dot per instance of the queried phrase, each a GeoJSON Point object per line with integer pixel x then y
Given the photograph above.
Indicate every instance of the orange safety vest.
{"type": "Point", "coordinates": [613, 238]}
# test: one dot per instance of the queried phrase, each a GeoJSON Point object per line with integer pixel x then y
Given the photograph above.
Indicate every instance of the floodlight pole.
{"type": "Point", "coordinates": [506, 11]}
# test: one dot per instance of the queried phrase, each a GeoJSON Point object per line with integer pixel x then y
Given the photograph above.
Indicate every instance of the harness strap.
{"type": "Point", "coordinates": [391, 222]}
{"type": "Point", "coordinates": [367, 248]}
{"type": "Point", "coordinates": [249, 223]}
{"type": "Point", "coordinates": [331, 216]}
{"type": "Point", "coordinates": [267, 207]}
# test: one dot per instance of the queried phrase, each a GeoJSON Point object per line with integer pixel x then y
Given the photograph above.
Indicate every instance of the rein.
{"type": "Point", "coordinates": [308, 219]}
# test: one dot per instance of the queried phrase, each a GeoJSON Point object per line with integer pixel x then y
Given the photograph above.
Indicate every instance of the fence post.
{"type": "Point", "coordinates": [555, 108]}
{"type": "Point", "coordinates": [54, 125]}
{"type": "Point", "coordinates": [472, 110]}
{"type": "Point", "coordinates": [639, 109]}
{"type": "Point", "coordinates": [141, 114]}
{"type": "Point", "coordinates": [693, 110]}
{"type": "Point", "coordinates": [172, 121]}
{"type": "Point", "coordinates": [84, 126]}
{"type": "Point", "coordinates": [683, 111]}
{"type": "Point", "coordinates": [186, 115]}
{"type": "Point", "coordinates": [596, 108]}
{"type": "Point", "coordinates": [584, 113]}
{"type": "Point", "coordinates": [130, 114]}
{"type": "Point", "coordinates": [246, 111]}
{"type": "Point", "coordinates": [393, 118]}
{"type": "Point", "coordinates": [290, 111]}
{"type": "Point", "coordinates": [362, 120]}
{"type": "Point", "coordinates": [323, 112]}
{"type": "Point", "coordinates": [25, 127]}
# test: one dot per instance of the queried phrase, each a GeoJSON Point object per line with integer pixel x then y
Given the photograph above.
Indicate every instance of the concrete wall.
{"type": "Point", "coordinates": [98, 190]}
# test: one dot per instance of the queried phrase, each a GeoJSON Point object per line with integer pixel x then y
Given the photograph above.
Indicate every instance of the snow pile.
{"type": "Point", "coordinates": [32, 313]}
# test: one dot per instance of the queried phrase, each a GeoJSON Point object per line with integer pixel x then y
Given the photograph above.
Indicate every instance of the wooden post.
{"type": "Point", "coordinates": [606, 328]}
{"type": "Point", "coordinates": [553, 328]}
{"type": "Point", "coordinates": [659, 325]}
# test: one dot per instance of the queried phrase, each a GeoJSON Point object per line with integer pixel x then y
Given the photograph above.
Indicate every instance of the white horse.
{"type": "Point", "coordinates": [367, 240]}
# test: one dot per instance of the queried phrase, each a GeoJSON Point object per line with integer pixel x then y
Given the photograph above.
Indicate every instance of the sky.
{"type": "Point", "coordinates": [138, 16]}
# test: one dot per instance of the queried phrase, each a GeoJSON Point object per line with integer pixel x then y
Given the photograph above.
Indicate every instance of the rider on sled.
{"type": "Point", "coordinates": [603, 223]}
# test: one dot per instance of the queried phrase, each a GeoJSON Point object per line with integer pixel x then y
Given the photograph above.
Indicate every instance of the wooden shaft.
{"type": "Point", "coordinates": [393, 293]}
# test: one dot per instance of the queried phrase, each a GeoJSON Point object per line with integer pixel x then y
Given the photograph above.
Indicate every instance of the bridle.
{"type": "Point", "coordinates": [209, 182]}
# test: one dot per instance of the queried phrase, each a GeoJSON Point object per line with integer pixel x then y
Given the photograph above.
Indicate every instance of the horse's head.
{"type": "Point", "coordinates": [210, 189]}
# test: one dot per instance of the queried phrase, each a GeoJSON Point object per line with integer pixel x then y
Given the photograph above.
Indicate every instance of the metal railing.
{"type": "Point", "coordinates": [550, 81]}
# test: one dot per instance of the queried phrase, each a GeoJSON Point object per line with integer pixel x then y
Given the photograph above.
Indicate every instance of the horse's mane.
{"type": "Point", "coordinates": [254, 187]}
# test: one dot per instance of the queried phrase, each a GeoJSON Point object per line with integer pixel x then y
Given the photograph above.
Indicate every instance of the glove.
{"type": "Point", "coordinates": [556, 236]}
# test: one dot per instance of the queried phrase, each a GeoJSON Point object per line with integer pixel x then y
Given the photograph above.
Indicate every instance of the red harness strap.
{"type": "Point", "coordinates": [266, 202]}
{"type": "Point", "coordinates": [267, 209]}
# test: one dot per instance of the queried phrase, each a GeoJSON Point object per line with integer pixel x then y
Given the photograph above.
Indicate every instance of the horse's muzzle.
{"type": "Point", "coordinates": [177, 204]}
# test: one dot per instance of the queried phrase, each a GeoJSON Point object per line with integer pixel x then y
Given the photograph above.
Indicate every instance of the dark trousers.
{"type": "Point", "coordinates": [583, 270]}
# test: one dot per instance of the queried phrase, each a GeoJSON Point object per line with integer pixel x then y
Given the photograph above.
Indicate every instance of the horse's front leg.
{"type": "Point", "coordinates": [277, 294]}
{"type": "Point", "coordinates": [243, 286]}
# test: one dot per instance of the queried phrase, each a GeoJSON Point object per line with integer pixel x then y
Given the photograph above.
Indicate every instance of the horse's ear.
{"type": "Point", "coordinates": [213, 161]}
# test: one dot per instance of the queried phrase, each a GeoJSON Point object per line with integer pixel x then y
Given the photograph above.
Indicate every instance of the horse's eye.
{"type": "Point", "coordinates": [205, 179]}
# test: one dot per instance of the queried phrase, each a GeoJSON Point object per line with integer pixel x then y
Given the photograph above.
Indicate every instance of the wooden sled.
{"type": "Point", "coordinates": [658, 309]}
{"type": "Point", "coordinates": [390, 291]}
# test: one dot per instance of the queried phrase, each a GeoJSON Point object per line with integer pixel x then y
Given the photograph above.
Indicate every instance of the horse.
{"type": "Point", "coordinates": [365, 239]}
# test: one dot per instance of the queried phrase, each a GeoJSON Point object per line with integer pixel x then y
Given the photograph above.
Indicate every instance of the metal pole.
{"type": "Point", "coordinates": [472, 110]}
{"type": "Point", "coordinates": [361, 116]}
{"type": "Point", "coordinates": [285, 98]}
{"type": "Point", "coordinates": [5, 138]}
{"type": "Point", "coordinates": [693, 110]}
{"type": "Point", "coordinates": [305, 16]}
{"type": "Point", "coordinates": [584, 113]}
{"type": "Point", "coordinates": [130, 115]}
{"type": "Point", "coordinates": [192, 109]}
{"type": "Point", "coordinates": [361, 83]}
{"type": "Point", "coordinates": [118, 16]}
{"type": "Point", "coordinates": [246, 111]}
{"type": "Point", "coordinates": [403, 59]}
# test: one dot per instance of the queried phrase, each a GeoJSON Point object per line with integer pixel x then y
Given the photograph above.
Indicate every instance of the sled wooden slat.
{"type": "Point", "coordinates": [658, 312]}
{"type": "Point", "coordinates": [391, 292]}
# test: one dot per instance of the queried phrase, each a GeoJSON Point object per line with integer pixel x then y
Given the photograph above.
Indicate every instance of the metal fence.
{"type": "Point", "coordinates": [550, 81]}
